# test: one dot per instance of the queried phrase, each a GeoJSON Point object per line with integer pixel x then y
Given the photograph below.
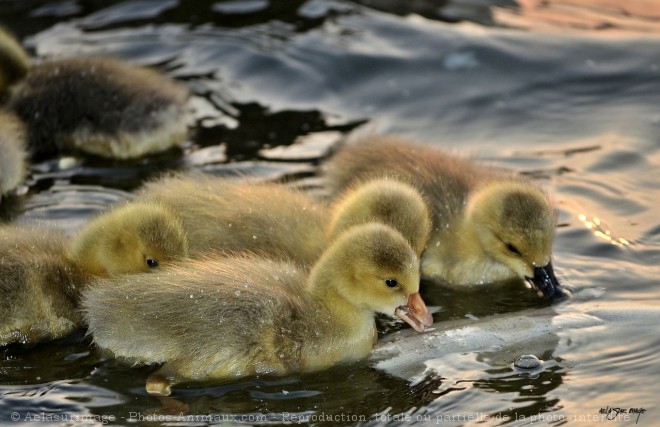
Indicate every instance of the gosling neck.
{"type": "Point", "coordinates": [345, 327]}
{"type": "Point", "coordinates": [449, 248]}
{"type": "Point", "coordinates": [69, 278]}
{"type": "Point", "coordinates": [325, 285]}
{"type": "Point", "coordinates": [84, 255]}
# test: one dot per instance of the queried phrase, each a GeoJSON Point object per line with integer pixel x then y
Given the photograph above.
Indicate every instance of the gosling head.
{"type": "Point", "coordinates": [387, 201]}
{"type": "Point", "coordinates": [515, 225]}
{"type": "Point", "coordinates": [374, 268]}
{"type": "Point", "coordinates": [138, 236]}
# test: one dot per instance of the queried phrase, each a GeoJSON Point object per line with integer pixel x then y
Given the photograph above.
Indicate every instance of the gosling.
{"type": "Point", "coordinates": [42, 272]}
{"type": "Point", "coordinates": [488, 225]}
{"type": "Point", "coordinates": [227, 318]}
{"type": "Point", "coordinates": [99, 106]}
{"type": "Point", "coordinates": [229, 216]}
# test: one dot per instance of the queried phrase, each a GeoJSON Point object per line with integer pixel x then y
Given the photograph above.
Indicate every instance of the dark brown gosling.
{"type": "Point", "coordinates": [99, 106]}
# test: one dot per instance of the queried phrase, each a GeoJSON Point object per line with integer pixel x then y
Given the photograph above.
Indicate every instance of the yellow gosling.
{"type": "Point", "coordinates": [227, 318]}
{"type": "Point", "coordinates": [387, 201]}
{"type": "Point", "coordinates": [42, 272]}
{"type": "Point", "coordinates": [136, 236]}
{"type": "Point", "coordinates": [488, 225]}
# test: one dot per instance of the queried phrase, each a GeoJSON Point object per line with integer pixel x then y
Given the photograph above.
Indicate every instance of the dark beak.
{"type": "Point", "coordinates": [544, 280]}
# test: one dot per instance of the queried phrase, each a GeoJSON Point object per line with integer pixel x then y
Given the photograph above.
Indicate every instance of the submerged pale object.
{"type": "Point", "coordinates": [414, 356]}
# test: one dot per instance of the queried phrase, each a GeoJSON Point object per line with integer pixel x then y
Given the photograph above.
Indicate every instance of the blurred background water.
{"type": "Point", "coordinates": [564, 91]}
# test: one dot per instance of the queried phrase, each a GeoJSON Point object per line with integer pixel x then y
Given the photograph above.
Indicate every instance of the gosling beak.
{"type": "Point", "coordinates": [546, 283]}
{"type": "Point", "coordinates": [415, 313]}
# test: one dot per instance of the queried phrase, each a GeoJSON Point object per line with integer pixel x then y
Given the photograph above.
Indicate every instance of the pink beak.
{"type": "Point", "coordinates": [415, 313]}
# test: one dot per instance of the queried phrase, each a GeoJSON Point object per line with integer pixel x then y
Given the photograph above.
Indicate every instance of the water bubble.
{"type": "Point", "coordinates": [527, 361]}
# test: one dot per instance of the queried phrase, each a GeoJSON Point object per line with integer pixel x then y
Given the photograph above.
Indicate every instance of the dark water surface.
{"type": "Point", "coordinates": [574, 106]}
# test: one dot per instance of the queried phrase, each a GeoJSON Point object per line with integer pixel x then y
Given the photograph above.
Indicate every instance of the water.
{"type": "Point", "coordinates": [565, 92]}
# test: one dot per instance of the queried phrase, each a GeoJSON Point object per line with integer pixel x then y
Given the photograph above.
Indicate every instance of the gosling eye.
{"type": "Point", "coordinates": [152, 263]}
{"type": "Point", "coordinates": [391, 283]}
{"type": "Point", "coordinates": [513, 249]}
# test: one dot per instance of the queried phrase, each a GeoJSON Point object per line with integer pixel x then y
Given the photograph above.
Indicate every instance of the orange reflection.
{"type": "Point", "coordinates": [614, 17]}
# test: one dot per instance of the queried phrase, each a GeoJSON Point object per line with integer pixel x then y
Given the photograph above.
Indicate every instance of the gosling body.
{"type": "Point", "coordinates": [270, 219]}
{"type": "Point", "coordinates": [226, 318]}
{"type": "Point", "coordinates": [232, 216]}
{"type": "Point", "coordinates": [99, 106]}
{"type": "Point", "coordinates": [488, 225]}
{"type": "Point", "coordinates": [39, 287]}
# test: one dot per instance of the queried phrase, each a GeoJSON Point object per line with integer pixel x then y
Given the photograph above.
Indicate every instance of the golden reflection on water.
{"type": "Point", "coordinates": [600, 230]}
